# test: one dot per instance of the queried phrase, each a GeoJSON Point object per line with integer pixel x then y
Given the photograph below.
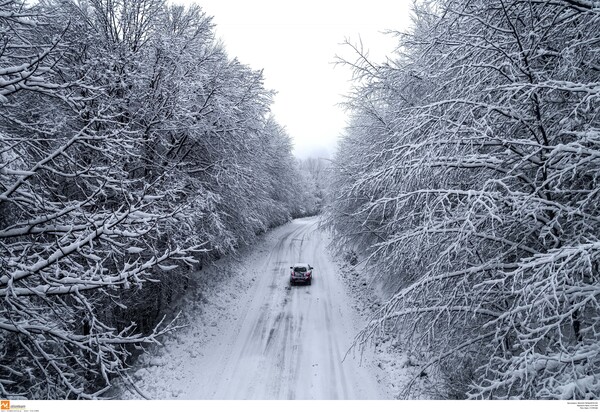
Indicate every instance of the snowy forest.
{"type": "Point", "coordinates": [468, 182]}
{"type": "Point", "coordinates": [133, 150]}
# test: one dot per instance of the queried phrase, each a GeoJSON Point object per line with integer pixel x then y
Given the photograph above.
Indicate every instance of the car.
{"type": "Point", "coordinates": [301, 272]}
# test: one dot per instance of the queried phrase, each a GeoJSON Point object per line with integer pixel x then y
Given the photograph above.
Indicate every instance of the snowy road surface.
{"type": "Point", "coordinates": [284, 342]}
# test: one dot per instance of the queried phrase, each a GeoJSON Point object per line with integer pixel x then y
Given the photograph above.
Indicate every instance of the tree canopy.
{"type": "Point", "coordinates": [468, 179]}
{"type": "Point", "coordinates": [132, 150]}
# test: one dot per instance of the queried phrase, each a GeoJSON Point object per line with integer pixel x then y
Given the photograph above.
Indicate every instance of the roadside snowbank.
{"type": "Point", "coordinates": [212, 302]}
{"type": "Point", "coordinates": [397, 366]}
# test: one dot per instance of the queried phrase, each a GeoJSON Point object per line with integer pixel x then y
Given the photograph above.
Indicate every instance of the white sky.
{"type": "Point", "coordinates": [295, 43]}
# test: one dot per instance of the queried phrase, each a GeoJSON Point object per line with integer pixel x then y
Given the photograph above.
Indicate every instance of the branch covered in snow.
{"type": "Point", "coordinates": [132, 151]}
{"type": "Point", "coordinates": [469, 180]}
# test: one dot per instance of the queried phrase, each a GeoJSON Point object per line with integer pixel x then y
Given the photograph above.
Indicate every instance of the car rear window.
{"type": "Point", "coordinates": [300, 269]}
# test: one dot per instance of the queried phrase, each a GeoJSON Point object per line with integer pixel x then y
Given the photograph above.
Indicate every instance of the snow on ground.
{"type": "Point", "coordinates": [397, 366]}
{"type": "Point", "coordinates": [205, 311]}
{"type": "Point", "coordinates": [252, 336]}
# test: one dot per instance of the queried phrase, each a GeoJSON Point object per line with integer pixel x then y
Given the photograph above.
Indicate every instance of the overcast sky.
{"type": "Point", "coordinates": [295, 43]}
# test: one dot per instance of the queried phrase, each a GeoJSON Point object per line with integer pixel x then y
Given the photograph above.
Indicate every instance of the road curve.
{"type": "Point", "coordinates": [288, 342]}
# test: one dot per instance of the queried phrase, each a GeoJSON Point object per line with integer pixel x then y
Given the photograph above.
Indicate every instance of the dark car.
{"type": "Point", "coordinates": [301, 272]}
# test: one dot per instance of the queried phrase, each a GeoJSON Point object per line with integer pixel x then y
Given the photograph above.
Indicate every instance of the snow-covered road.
{"type": "Point", "coordinates": [282, 342]}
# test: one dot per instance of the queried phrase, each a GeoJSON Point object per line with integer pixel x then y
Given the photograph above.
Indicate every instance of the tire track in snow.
{"type": "Point", "coordinates": [287, 342]}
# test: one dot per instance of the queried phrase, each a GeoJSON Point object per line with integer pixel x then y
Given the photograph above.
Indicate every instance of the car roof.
{"type": "Point", "coordinates": [300, 265]}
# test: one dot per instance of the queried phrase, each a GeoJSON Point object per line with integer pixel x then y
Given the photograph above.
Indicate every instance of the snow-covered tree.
{"type": "Point", "coordinates": [74, 219]}
{"type": "Point", "coordinates": [469, 176]}
{"type": "Point", "coordinates": [316, 176]}
{"type": "Point", "coordinates": [130, 149]}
